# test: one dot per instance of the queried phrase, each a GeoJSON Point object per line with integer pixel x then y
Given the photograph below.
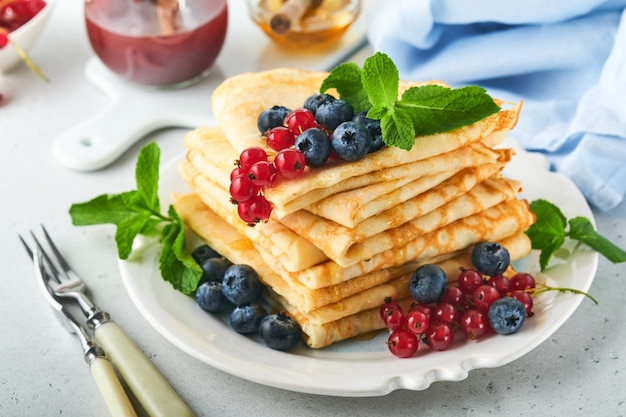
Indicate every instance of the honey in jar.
{"type": "Point", "coordinates": [320, 26]}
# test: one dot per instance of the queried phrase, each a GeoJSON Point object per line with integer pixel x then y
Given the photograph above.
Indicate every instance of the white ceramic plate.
{"type": "Point", "coordinates": [360, 367]}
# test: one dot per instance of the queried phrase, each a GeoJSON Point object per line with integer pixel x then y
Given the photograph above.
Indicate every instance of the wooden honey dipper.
{"type": "Point", "coordinates": [291, 11]}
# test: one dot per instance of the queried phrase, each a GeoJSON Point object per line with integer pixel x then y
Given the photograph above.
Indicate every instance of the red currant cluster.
{"type": "Point", "coordinates": [253, 172]}
{"type": "Point", "coordinates": [296, 122]}
{"type": "Point", "coordinates": [14, 14]}
{"type": "Point", "coordinates": [463, 306]}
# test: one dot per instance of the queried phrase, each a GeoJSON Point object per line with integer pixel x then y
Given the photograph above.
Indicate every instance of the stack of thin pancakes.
{"type": "Point", "coordinates": [345, 236]}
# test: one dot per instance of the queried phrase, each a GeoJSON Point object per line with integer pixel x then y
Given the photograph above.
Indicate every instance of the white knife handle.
{"type": "Point", "coordinates": [111, 388]}
{"type": "Point", "coordinates": [154, 393]}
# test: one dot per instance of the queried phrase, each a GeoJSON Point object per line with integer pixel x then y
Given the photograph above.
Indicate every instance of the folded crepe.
{"type": "Point", "coordinates": [238, 101]}
{"type": "Point", "coordinates": [208, 171]}
{"type": "Point", "coordinates": [329, 314]}
{"type": "Point", "coordinates": [285, 248]}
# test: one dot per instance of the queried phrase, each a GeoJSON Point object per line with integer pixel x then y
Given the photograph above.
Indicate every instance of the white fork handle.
{"type": "Point", "coordinates": [154, 393]}
{"type": "Point", "coordinates": [111, 388]}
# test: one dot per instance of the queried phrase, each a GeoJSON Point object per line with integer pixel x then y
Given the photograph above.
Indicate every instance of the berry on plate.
{"type": "Point", "coordinates": [279, 331]}
{"type": "Point", "coordinates": [241, 284]}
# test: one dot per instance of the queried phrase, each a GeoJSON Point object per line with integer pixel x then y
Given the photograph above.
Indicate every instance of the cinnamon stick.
{"type": "Point", "coordinates": [290, 12]}
{"type": "Point", "coordinates": [167, 11]}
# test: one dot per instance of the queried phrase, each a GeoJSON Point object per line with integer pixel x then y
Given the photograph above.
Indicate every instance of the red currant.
{"type": "Point", "coordinates": [469, 280]}
{"type": "Point", "coordinates": [262, 173]}
{"type": "Point", "coordinates": [417, 321]}
{"type": "Point", "coordinates": [4, 37]}
{"type": "Point", "coordinates": [501, 283]}
{"type": "Point", "coordinates": [242, 189]}
{"type": "Point", "coordinates": [243, 210]}
{"type": "Point", "coordinates": [522, 281]}
{"type": "Point", "coordinates": [474, 324]}
{"type": "Point", "coordinates": [289, 163]}
{"type": "Point", "coordinates": [279, 138]}
{"type": "Point", "coordinates": [445, 313]}
{"type": "Point", "coordinates": [454, 296]}
{"type": "Point", "coordinates": [439, 336]}
{"type": "Point", "coordinates": [421, 307]}
{"type": "Point", "coordinates": [525, 298]}
{"type": "Point", "coordinates": [402, 343]}
{"type": "Point", "coordinates": [484, 296]}
{"type": "Point", "coordinates": [237, 171]}
{"type": "Point", "coordinates": [259, 208]}
{"type": "Point", "coordinates": [392, 315]}
{"type": "Point", "coordinates": [299, 120]}
{"type": "Point", "coordinates": [250, 156]}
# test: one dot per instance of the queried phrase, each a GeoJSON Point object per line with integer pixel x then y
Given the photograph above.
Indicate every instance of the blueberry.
{"type": "Point", "coordinates": [373, 128]}
{"type": "Point", "coordinates": [203, 252]}
{"type": "Point", "coordinates": [490, 258]}
{"type": "Point", "coordinates": [332, 113]}
{"type": "Point", "coordinates": [314, 144]}
{"type": "Point", "coordinates": [428, 284]}
{"type": "Point", "coordinates": [210, 298]}
{"type": "Point", "coordinates": [314, 101]}
{"type": "Point", "coordinates": [247, 319]}
{"type": "Point", "coordinates": [272, 117]}
{"type": "Point", "coordinates": [241, 284]}
{"type": "Point", "coordinates": [350, 141]}
{"type": "Point", "coordinates": [506, 315]}
{"type": "Point", "coordinates": [279, 331]}
{"type": "Point", "coordinates": [213, 269]}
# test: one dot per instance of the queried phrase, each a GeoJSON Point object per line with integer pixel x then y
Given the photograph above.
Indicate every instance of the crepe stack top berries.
{"type": "Point", "coordinates": [345, 235]}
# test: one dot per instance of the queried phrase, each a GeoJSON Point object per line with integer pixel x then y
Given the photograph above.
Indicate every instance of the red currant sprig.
{"type": "Point", "coordinates": [253, 173]}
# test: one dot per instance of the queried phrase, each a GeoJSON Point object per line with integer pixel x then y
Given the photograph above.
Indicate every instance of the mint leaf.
{"type": "Point", "coordinates": [175, 263]}
{"type": "Point", "coordinates": [106, 208]}
{"type": "Point", "coordinates": [581, 229]}
{"type": "Point", "coordinates": [380, 80]}
{"type": "Point", "coordinates": [126, 232]}
{"type": "Point", "coordinates": [138, 212]}
{"type": "Point", "coordinates": [397, 128]}
{"type": "Point", "coordinates": [147, 178]}
{"type": "Point", "coordinates": [437, 109]}
{"type": "Point", "coordinates": [547, 234]}
{"type": "Point", "coordinates": [346, 79]}
{"type": "Point", "coordinates": [430, 109]}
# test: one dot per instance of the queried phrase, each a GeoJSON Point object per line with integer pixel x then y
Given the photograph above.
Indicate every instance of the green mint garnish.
{"type": "Point", "coordinates": [550, 230]}
{"type": "Point", "coordinates": [139, 212]}
{"type": "Point", "coordinates": [346, 79]}
{"type": "Point", "coordinates": [421, 111]}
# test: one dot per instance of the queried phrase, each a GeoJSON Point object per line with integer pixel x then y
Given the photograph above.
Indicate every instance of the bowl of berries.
{"type": "Point", "coordinates": [21, 23]}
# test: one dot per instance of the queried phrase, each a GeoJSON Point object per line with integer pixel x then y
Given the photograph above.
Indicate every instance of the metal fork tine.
{"type": "Point", "coordinates": [62, 262]}
{"type": "Point", "coordinates": [30, 252]}
{"type": "Point", "coordinates": [54, 273]}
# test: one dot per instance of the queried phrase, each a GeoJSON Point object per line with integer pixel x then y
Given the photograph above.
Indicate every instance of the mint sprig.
{"type": "Point", "coordinates": [138, 212]}
{"type": "Point", "coordinates": [552, 228]}
{"type": "Point", "coordinates": [421, 111]}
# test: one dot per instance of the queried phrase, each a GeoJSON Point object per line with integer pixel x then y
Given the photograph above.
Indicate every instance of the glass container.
{"type": "Point", "coordinates": [164, 43]}
{"type": "Point", "coordinates": [320, 26]}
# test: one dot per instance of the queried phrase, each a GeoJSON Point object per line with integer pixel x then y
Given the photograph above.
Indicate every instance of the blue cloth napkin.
{"type": "Point", "coordinates": [566, 60]}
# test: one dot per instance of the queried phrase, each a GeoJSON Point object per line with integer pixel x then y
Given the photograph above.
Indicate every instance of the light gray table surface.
{"type": "Point", "coordinates": [579, 370]}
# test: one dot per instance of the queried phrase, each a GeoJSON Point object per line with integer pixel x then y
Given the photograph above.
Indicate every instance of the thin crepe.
{"type": "Point", "coordinates": [238, 101]}
{"type": "Point", "coordinates": [494, 223]}
{"type": "Point", "coordinates": [347, 309]}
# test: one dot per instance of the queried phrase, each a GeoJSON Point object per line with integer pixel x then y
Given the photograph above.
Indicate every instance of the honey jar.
{"type": "Point", "coordinates": [320, 23]}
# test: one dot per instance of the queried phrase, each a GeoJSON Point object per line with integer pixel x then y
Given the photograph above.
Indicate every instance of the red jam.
{"type": "Point", "coordinates": [134, 39]}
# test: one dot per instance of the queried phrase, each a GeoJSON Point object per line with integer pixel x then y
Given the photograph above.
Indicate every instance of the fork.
{"type": "Point", "coordinates": [154, 393]}
{"type": "Point", "coordinates": [101, 369]}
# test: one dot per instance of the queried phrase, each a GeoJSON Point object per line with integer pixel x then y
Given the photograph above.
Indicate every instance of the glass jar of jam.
{"type": "Point", "coordinates": [164, 43]}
